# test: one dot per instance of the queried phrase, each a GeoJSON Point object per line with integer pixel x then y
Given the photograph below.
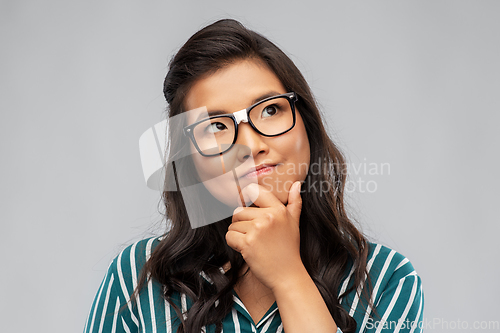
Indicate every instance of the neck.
{"type": "Point", "coordinates": [256, 297]}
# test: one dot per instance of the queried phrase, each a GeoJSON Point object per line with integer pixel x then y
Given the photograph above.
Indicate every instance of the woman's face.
{"type": "Point", "coordinates": [279, 161]}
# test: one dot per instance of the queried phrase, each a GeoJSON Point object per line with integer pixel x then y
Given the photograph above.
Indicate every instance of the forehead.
{"type": "Point", "coordinates": [233, 87]}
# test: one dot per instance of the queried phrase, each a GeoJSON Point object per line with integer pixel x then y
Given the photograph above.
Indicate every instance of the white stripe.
{"type": "Point", "coordinates": [97, 302]}
{"type": "Point", "coordinates": [150, 288]}
{"type": "Point", "coordinates": [184, 306]}
{"type": "Point", "coordinates": [236, 321]}
{"type": "Point", "coordinates": [206, 277]}
{"type": "Point", "coordinates": [151, 305]}
{"type": "Point", "coordinates": [418, 313]}
{"type": "Point", "coordinates": [237, 300]}
{"type": "Point", "coordinates": [272, 313]}
{"type": "Point", "coordinates": [392, 303]}
{"type": "Point", "coordinates": [377, 286]}
{"type": "Point", "coordinates": [106, 301]}
{"type": "Point", "coordinates": [360, 288]}
{"type": "Point", "coordinates": [268, 323]}
{"type": "Point", "coordinates": [345, 284]}
{"type": "Point", "coordinates": [240, 303]}
{"type": "Point", "coordinates": [167, 317]}
{"type": "Point", "coordinates": [149, 245]}
{"type": "Point", "coordinates": [125, 327]}
{"type": "Point", "coordinates": [124, 289]}
{"type": "Point", "coordinates": [402, 263]}
{"type": "Point", "coordinates": [134, 283]}
{"type": "Point", "coordinates": [280, 328]}
{"type": "Point", "coordinates": [115, 315]}
{"type": "Point", "coordinates": [132, 265]}
{"type": "Point", "coordinates": [409, 304]}
{"type": "Point", "coordinates": [98, 293]}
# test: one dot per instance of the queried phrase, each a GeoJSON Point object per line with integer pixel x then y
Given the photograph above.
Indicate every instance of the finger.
{"type": "Point", "coordinates": [245, 214]}
{"type": "Point", "coordinates": [294, 205]}
{"type": "Point", "coordinates": [260, 196]}
{"type": "Point", "coordinates": [241, 227]}
{"type": "Point", "coordinates": [235, 240]}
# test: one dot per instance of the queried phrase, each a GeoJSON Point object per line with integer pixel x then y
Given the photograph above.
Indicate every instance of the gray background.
{"type": "Point", "coordinates": [414, 84]}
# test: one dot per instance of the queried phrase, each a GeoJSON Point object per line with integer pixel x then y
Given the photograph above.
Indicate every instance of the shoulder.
{"type": "Point", "coordinates": [384, 267]}
{"type": "Point", "coordinates": [394, 290]}
{"type": "Point", "coordinates": [127, 265]}
{"type": "Point", "coordinates": [112, 300]}
{"type": "Point", "coordinates": [384, 263]}
{"type": "Point", "coordinates": [395, 287]}
{"type": "Point", "coordinates": [139, 252]}
{"type": "Point", "coordinates": [391, 273]}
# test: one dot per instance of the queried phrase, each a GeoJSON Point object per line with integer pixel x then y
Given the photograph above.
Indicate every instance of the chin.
{"type": "Point", "coordinates": [278, 187]}
{"type": "Point", "coordinates": [282, 196]}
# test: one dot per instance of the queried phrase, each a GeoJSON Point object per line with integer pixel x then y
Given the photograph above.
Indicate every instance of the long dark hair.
{"type": "Point", "coordinates": [330, 244]}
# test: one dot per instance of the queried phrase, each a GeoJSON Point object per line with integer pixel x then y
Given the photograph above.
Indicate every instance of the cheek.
{"type": "Point", "coordinates": [301, 150]}
{"type": "Point", "coordinates": [296, 152]}
{"type": "Point", "coordinates": [304, 153]}
{"type": "Point", "coordinates": [219, 183]}
{"type": "Point", "coordinates": [207, 168]}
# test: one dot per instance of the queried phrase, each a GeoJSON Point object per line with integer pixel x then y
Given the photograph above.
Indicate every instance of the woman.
{"type": "Point", "coordinates": [288, 246]}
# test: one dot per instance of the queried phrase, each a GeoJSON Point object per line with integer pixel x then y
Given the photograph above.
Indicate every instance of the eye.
{"type": "Point", "coordinates": [269, 111]}
{"type": "Point", "coordinates": [215, 127]}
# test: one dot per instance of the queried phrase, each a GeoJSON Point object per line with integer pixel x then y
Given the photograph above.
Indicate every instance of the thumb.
{"type": "Point", "coordinates": [294, 205]}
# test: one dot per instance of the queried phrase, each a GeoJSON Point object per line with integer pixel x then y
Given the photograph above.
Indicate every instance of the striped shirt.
{"type": "Point", "coordinates": [396, 294]}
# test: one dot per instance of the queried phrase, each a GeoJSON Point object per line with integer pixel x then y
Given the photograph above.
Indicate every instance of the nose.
{"type": "Point", "coordinates": [248, 137]}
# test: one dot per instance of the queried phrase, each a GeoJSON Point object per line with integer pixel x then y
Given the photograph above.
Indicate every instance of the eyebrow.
{"type": "Point", "coordinates": [258, 99]}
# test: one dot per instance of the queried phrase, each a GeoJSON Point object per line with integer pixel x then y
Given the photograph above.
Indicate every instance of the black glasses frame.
{"type": "Point", "coordinates": [291, 97]}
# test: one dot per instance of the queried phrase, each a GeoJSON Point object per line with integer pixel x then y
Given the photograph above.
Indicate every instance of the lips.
{"type": "Point", "coordinates": [259, 170]}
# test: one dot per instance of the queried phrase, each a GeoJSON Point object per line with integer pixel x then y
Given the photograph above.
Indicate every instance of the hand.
{"type": "Point", "coordinates": [268, 236]}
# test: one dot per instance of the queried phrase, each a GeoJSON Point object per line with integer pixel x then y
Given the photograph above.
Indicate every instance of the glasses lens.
{"type": "Point", "coordinates": [214, 135]}
{"type": "Point", "coordinates": [272, 117]}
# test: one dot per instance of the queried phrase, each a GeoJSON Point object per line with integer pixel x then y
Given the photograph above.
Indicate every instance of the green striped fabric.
{"type": "Point", "coordinates": [396, 294]}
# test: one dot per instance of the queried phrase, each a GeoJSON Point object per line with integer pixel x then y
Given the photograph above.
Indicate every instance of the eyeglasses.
{"type": "Point", "coordinates": [269, 117]}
